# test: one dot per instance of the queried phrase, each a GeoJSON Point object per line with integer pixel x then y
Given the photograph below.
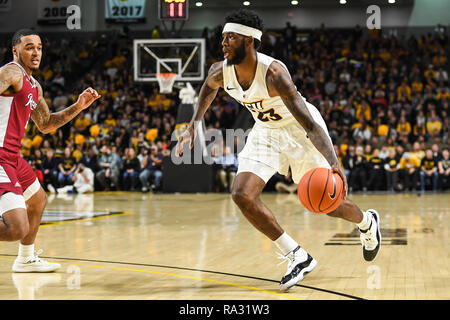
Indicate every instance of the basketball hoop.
{"type": "Point", "coordinates": [166, 81]}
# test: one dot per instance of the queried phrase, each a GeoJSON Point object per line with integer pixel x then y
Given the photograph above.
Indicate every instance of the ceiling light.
{"type": "Point", "coordinates": [294, 2]}
{"type": "Point", "coordinates": [246, 3]}
{"type": "Point", "coordinates": [342, 1]}
{"type": "Point", "coordinates": [391, 1]}
{"type": "Point", "coordinates": [198, 4]}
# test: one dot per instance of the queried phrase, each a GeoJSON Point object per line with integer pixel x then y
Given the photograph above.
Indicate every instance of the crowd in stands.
{"type": "Point", "coordinates": [385, 101]}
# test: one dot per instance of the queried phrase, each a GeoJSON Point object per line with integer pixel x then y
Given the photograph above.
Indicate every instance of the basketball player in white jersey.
{"type": "Point", "coordinates": [289, 131]}
{"type": "Point", "coordinates": [22, 199]}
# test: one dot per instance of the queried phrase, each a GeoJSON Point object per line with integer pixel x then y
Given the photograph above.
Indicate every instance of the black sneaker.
{"type": "Point", "coordinates": [371, 238]}
{"type": "Point", "coordinates": [297, 268]}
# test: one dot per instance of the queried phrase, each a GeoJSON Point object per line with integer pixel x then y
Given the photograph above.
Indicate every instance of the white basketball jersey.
{"type": "Point", "coordinates": [266, 110]}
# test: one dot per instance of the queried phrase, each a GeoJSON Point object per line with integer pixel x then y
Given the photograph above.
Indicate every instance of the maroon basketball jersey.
{"type": "Point", "coordinates": [15, 111]}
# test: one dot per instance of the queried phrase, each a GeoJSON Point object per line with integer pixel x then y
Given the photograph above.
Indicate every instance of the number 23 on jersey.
{"type": "Point", "coordinates": [263, 115]}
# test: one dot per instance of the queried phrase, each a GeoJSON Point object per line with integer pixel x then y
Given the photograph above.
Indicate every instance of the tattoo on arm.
{"type": "Point", "coordinates": [10, 76]}
{"type": "Point", "coordinates": [287, 91]}
{"type": "Point", "coordinates": [46, 121]}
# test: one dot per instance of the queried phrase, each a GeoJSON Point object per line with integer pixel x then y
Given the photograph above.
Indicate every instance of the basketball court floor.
{"type": "Point", "coordinates": [199, 246]}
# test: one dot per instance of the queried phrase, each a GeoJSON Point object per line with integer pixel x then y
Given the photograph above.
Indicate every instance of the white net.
{"type": "Point", "coordinates": [166, 81]}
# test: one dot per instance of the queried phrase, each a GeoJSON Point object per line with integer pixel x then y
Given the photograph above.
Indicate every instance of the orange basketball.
{"type": "Point", "coordinates": [320, 190]}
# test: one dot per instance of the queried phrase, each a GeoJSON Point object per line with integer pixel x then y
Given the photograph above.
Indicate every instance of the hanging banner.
{"type": "Point", "coordinates": [54, 11]}
{"type": "Point", "coordinates": [125, 11]}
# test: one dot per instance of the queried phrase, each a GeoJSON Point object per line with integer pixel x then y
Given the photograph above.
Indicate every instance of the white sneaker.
{"type": "Point", "coordinates": [371, 238]}
{"type": "Point", "coordinates": [35, 264]}
{"type": "Point", "coordinates": [299, 265]}
{"type": "Point", "coordinates": [51, 189]}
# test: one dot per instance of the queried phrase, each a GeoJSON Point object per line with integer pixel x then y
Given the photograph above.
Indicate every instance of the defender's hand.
{"type": "Point", "coordinates": [87, 97]}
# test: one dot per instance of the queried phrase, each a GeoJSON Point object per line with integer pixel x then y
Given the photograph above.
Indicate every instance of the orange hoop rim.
{"type": "Point", "coordinates": [166, 75]}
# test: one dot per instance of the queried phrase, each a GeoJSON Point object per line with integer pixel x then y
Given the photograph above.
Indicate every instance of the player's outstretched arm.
{"type": "Point", "coordinates": [47, 122]}
{"type": "Point", "coordinates": [10, 76]}
{"type": "Point", "coordinates": [279, 83]}
{"type": "Point", "coordinates": [206, 96]}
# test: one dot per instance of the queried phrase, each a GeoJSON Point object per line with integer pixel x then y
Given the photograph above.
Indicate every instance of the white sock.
{"type": "Point", "coordinates": [285, 243]}
{"type": "Point", "coordinates": [26, 251]}
{"type": "Point", "coordinates": [366, 220]}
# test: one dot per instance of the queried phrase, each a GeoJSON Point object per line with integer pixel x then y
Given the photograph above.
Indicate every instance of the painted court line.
{"type": "Point", "coordinates": [181, 276]}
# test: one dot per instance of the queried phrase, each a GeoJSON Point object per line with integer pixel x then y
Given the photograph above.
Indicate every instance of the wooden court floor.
{"type": "Point", "coordinates": [199, 246]}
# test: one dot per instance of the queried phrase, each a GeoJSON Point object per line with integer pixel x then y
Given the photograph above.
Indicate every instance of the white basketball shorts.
{"type": "Point", "coordinates": [270, 150]}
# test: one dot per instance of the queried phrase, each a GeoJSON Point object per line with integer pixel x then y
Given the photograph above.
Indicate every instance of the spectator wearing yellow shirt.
{"type": "Point", "coordinates": [110, 120]}
{"type": "Point", "coordinates": [363, 109]}
{"type": "Point", "coordinates": [385, 55]}
{"type": "Point", "coordinates": [443, 93]}
{"type": "Point", "coordinates": [160, 100]}
{"type": "Point", "coordinates": [78, 153]}
{"type": "Point", "coordinates": [83, 54]}
{"type": "Point", "coordinates": [439, 59]}
{"type": "Point", "coordinates": [82, 123]}
{"type": "Point", "coordinates": [417, 150]}
{"type": "Point", "coordinates": [430, 73]}
{"type": "Point", "coordinates": [404, 91]}
{"type": "Point", "coordinates": [26, 145]}
{"type": "Point", "coordinates": [434, 125]}
{"type": "Point", "coordinates": [47, 73]}
{"type": "Point", "coordinates": [409, 169]}
{"type": "Point", "coordinates": [417, 85]}
{"type": "Point", "coordinates": [403, 127]}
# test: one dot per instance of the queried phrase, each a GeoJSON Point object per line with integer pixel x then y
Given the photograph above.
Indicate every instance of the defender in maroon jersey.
{"type": "Point", "coordinates": [22, 199]}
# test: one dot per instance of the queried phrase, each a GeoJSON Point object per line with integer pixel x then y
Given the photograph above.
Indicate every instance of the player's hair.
{"type": "Point", "coordinates": [248, 18]}
{"type": "Point", "coordinates": [22, 33]}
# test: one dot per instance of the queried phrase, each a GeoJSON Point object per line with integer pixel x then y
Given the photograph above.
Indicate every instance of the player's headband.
{"type": "Point", "coordinates": [241, 29]}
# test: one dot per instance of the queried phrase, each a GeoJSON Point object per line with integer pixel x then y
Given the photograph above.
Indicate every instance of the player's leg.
{"type": "Point", "coordinates": [27, 259]}
{"type": "Point", "coordinates": [14, 223]}
{"type": "Point", "coordinates": [246, 194]}
{"type": "Point", "coordinates": [368, 221]}
{"type": "Point", "coordinates": [35, 207]}
{"type": "Point", "coordinates": [35, 199]}
{"type": "Point", "coordinates": [250, 180]}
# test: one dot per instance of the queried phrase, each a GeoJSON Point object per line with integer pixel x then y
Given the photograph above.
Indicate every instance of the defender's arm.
{"type": "Point", "coordinates": [47, 122]}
